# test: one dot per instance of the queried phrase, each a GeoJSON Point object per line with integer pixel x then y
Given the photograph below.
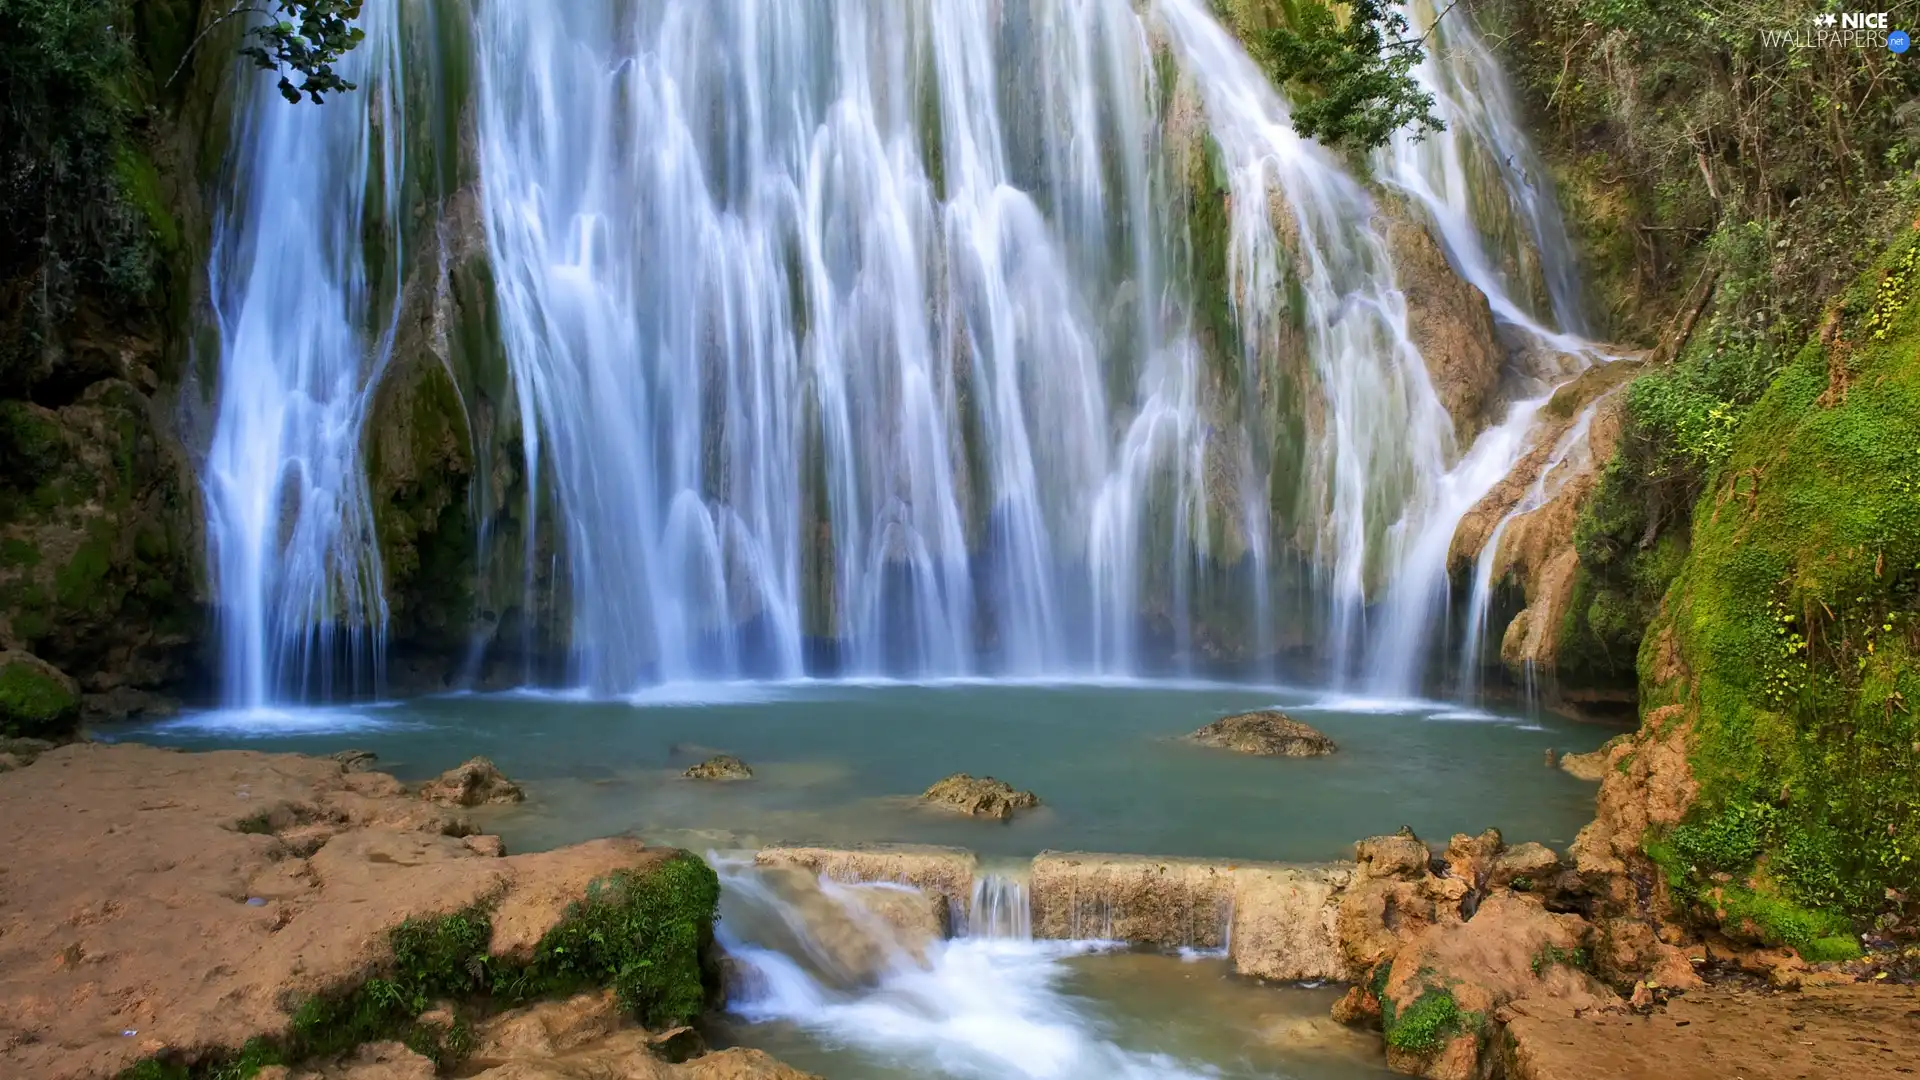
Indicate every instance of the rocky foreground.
{"type": "Point", "coordinates": [227, 915]}
{"type": "Point", "coordinates": [164, 911]}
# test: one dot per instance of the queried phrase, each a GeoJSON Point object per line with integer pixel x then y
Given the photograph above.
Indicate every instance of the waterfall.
{"type": "Point", "coordinates": [305, 315]}
{"type": "Point", "coordinates": [1486, 190]}
{"type": "Point", "coordinates": [1571, 453]}
{"type": "Point", "coordinates": [839, 295]}
{"type": "Point", "coordinates": [1486, 197]}
{"type": "Point", "coordinates": [855, 336]}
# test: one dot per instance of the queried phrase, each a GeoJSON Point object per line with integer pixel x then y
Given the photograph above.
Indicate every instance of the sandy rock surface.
{"type": "Point", "coordinates": [152, 900]}
{"type": "Point", "coordinates": [1856, 1032]}
{"type": "Point", "coordinates": [1264, 733]}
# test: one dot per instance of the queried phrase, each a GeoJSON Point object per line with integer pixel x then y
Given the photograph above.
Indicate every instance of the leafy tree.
{"type": "Point", "coordinates": [1351, 83]}
{"type": "Point", "coordinates": [303, 38]}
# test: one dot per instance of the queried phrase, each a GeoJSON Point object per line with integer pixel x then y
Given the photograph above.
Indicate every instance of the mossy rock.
{"type": "Point", "coordinates": [1796, 625]}
{"type": "Point", "coordinates": [37, 701]}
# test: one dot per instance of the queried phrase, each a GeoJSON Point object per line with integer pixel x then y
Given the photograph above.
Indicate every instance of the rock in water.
{"type": "Point", "coordinates": [720, 767]}
{"type": "Point", "coordinates": [1267, 733]}
{"type": "Point", "coordinates": [476, 783]}
{"type": "Point", "coordinates": [356, 760]}
{"type": "Point", "coordinates": [979, 796]}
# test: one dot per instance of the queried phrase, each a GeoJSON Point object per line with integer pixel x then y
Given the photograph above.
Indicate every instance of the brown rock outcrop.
{"type": "Point", "coordinates": [477, 782]}
{"type": "Point", "coordinates": [1448, 319]}
{"type": "Point", "coordinates": [979, 796]}
{"type": "Point", "coordinates": [1264, 733]}
{"type": "Point", "coordinates": [192, 899]}
{"type": "Point", "coordinates": [1278, 921]}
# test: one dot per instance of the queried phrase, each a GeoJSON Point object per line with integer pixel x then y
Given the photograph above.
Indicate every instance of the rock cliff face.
{"type": "Point", "coordinates": [102, 542]}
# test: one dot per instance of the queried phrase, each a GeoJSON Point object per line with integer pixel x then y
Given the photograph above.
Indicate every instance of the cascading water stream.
{"type": "Point", "coordinates": [1570, 454]}
{"type": "Point", "coordinates": [304, 334]}
{"type": "Point", "coordinates": [822, 317]}
{"type": "Point", "coordinates": [1484, 188]}
{"type": "Point", "coordinates": [986, 1006]}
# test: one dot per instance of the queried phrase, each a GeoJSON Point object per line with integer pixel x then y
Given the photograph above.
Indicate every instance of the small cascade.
{"type": "Point", "coordinates": [1485, 189]}
{"type": "Point", "coordinates": [987, 1006]}
{"type": "Point", "coordinates": [1571, 455]}
{"type": "Point", "coordinates": [999, 909]}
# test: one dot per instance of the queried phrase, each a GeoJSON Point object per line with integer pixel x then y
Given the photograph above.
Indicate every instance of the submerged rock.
{"type": "Point", "coordinates": [478, 782]}
{"type": "Point", "coordinates": [979, 796]}
{"type": "Point", "coordinates": [720, 767]}
{"type": "Point", "coordinates": [1266, 733]}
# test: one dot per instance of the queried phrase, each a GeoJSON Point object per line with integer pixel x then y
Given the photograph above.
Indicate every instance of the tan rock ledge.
{"type": "Point", "coordinates": [159, 903]}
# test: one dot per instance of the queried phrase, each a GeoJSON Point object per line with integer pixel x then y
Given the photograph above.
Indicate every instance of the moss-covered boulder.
{"type": "Point", "coordinates": [37, 700]}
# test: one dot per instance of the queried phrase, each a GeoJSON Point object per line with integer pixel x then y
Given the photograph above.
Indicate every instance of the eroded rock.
{"type": "Point", "coordinates": [720, 767]}
{"type": "Point", "coordinates": [979, 796]}
{"type": "Point", "coordinates": [477, 782]}
{"type": "Point", "coordinates": [1265, 733]}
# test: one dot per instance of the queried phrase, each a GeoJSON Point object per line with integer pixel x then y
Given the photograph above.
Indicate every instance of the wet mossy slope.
{"type": "Point", "coordinates": [1795, 619]}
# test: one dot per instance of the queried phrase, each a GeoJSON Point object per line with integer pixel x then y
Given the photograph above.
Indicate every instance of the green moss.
{"type": "Point", "coordinates": [33, 704]}
{"type": "Point", "coordinates": [642, 933]}
{"type": "Point", "coordinates": [140, 185]}
{"type": "Point", "coordinates": [1425, 1025]}
{"type": "Point", "coordinates": [1796, 616]}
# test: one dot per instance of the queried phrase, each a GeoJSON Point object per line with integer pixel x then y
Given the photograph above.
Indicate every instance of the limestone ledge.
{"type": "Point", "coordinates": [1276, 920]}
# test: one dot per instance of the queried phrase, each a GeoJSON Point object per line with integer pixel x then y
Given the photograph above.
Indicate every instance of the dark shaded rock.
{"type": "Point", "coordinates": [475, 783]}
{"type": "Point", "coordinates": [979, 796]}
{"type": "Point", "coordinates": [1266, 733]}
{"type": "Point", "coordinates": [720, 767]}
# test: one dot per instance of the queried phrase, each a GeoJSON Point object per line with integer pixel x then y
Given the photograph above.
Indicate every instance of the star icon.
{"type": "Point", "coordinates": [1827, 18]}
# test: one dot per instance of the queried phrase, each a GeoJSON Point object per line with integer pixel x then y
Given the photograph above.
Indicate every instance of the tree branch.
{"type": "Point", "coordinates": [238, 9]}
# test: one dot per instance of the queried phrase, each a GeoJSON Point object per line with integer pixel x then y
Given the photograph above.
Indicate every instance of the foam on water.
{"type": "Point", "coordinates": [990, 1008]}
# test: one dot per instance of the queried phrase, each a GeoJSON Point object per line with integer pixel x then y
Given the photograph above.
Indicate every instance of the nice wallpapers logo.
{"type": "Point", "coordinates": [1846, 29]}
